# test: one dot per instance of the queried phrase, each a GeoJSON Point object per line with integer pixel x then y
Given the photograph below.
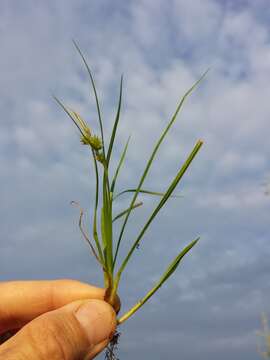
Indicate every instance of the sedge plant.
{"type": "Point", "coordinates": [102, 244]}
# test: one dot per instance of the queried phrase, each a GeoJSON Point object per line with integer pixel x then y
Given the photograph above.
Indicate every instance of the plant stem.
{"type": "Point", "coordinates": [95, 233]}
{"type": "Point", "coordinates": [107, 221]}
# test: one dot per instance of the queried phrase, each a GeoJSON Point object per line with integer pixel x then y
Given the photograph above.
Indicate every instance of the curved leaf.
{"type": "Point", "coordinates": [169, 271]}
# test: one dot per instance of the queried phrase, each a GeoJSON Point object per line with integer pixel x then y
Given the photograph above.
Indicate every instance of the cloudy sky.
{"type": "Point", "coordinates": [211, 308]}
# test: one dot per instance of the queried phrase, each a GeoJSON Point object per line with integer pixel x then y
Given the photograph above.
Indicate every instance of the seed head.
{"type": "Point", "coordinates": [95, 142]}
{"type": "Point", "coordinates": [81, 124]}
{"type": "Point", "coordinates": [100, 157]}
{"type": "Point", "coordinates": [85, 138]}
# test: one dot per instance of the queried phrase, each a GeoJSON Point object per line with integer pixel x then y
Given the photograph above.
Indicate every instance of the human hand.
{"type": "Point", "coordinates": [60, 319]}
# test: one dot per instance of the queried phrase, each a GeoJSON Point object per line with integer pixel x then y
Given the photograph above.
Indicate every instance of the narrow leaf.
{"type": "Point", "coordinates": [149, 163]}
{"type": "Point", "coordinates": [169, 191]}
{"type": "Point", "coordinates": [115, 123]}
{"type": "Point", "coordinates": [122, 158]}
{"type": "Point", "coordinates": [95, 91]}
{"type": "Point", "coordinates": [170, 270]}
{"type": "Point", "coordinates": [69, 113]}
{"type": "Point", "coordinates": [125, 211]}
{"type": "Point", "coordinates": [142, 191]}
{"type": "Point", "coordinates": [173, 266]}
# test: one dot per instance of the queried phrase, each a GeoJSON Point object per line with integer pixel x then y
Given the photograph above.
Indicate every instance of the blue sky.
{"type": "Point", "coordinates": [211, 307]}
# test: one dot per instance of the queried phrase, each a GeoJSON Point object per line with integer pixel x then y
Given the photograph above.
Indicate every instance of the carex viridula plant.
{"type": "Point", "coordinates": [103, 246]}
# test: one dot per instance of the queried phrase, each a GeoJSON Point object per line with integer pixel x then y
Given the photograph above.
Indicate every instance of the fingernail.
{"type": "Point", "coordinates": [97, 318]}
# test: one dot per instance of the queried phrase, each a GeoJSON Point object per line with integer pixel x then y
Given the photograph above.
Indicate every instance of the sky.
{"type": "Point", "coordinates": [211, 308]}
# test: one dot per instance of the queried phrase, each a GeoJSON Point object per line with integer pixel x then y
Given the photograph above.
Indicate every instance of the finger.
{"type": "Point", "coordinates": [76, 331]}
{"type": "Point", "coordinates": [97, 349]}
{"type": "Point", "coordinates": [111, 345]}
{"type": "Point", "coordinates": [93, 352]}
{"type": "Point", "coordinates": [22, 301]}
{"type": "Point", "coordinates": [7, 335]}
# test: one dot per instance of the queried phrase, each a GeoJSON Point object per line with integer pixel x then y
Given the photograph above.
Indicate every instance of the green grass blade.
{"type": "Point", "coordinates": [95, 232]}
{"type": "Point", "coordinates": [149, 163]}
{"type": "Point", "coordinates": [170, 270]}
{"type": "Point", "coordinates": [121, 214]}
{"type": "Point", "coordinates": [107, 221]}
{"type": "Point", "coordinates": [122, 158]}
{"type": "Point", "coordinates": [174, 264]}
{"type": "Point", "coordinates": [104, 237]}
{"type": "Point", "coordinates": [95, 92]}
{"type": "Point", "coordinates": [69, 113]}
{"type": "Point", "coordinates": [115, 123]}
{"type": "Point", "coordinates": [143, 191]}
{"type": "Point", "coordinates": [166, 196]}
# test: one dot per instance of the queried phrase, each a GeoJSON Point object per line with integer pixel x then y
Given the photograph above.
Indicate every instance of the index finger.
{"type": "Point", "coordinates": [22, 301]}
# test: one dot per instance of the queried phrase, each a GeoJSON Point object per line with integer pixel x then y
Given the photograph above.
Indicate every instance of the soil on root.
{"type": "Point", "coordinates": [112, 348]}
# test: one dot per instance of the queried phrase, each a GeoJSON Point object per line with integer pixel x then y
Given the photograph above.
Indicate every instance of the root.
{"type": "Point", "coordinates": [111, 350]}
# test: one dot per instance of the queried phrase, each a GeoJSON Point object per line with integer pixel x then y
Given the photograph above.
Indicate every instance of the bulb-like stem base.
{"type": "Point", "coordinates": [113, 299]}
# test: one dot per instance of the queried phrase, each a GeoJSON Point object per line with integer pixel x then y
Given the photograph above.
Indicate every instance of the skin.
{"type": "Point", "coordinates": [43, 316]}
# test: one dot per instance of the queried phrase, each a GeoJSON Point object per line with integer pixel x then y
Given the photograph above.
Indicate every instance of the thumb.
{"type": "Point", "coordinates": [78, 330]}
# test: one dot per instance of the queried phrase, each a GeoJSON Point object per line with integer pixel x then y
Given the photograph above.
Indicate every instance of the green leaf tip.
{"type": "Point", "coordinates": [94, 89]}
{"type": "Point", "coordinates": [116, 121]}
{"type": "Point", "coordinates": [143, 191]}
{"type": "Point", "coordinates": [169, 271]}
